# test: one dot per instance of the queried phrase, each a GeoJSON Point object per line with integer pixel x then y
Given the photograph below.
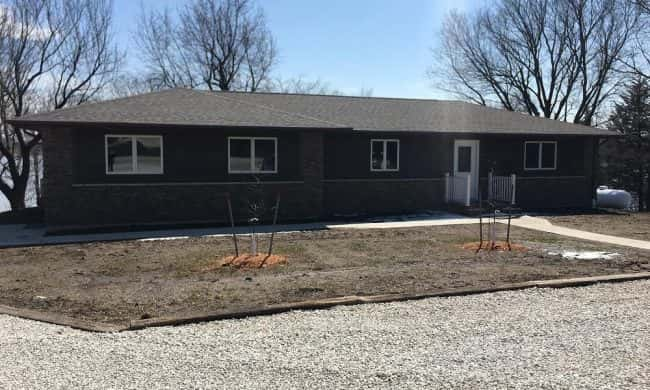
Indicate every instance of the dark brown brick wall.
{"type": "Point", "coordinates": [190, 155]}
{"type": "Point", "coordinates": [311, 157]}
{"type": "Point", "coordinates": [59, 152]}
{"type": "Point", "coordinates": [376, 197]}
{"type": "Point", "coordinates": [347, 156]}
{"type": "Point", "coordinates": [133, 204]}
{"type": "Point", "coordinates": [319, 176]}
{"type": "Point", "coordinates": [552, 193]}
{"type": "Point", "coordinates": [78, 193]}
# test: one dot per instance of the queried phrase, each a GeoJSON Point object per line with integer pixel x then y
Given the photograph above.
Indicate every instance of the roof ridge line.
{"type": "Point", "coordinates": [214, 94]}
{"type": "Point", "coordinates": [338, 96]}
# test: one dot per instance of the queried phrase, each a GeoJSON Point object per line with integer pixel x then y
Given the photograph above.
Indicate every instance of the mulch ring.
{"type": "Point", "coordinates": [261, 260]}
{"type": "Point", "coordinates": [499, 246]}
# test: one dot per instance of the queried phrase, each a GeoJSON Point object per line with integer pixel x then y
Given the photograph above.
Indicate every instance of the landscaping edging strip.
{"type": "Point", "coordinates": [385, 298]}
{"type": "Point", "coordinates": [327, 303]}
{"type": "Point", "coordinates": [59, 319]}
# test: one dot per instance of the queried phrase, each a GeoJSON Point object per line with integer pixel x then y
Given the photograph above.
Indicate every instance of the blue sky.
{"type": "Point", "coordinates": [383, 45]}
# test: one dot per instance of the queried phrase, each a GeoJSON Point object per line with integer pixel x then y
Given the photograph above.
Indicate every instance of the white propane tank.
{"type": "Point", "coordinates": [613, 199]}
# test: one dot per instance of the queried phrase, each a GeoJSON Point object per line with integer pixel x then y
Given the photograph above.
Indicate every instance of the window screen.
{"type": "Point", "coordinates": [119, 155]}
{"type": "Point", "coordinates": [464, 159]}
{"type": "Point", "coordinates": [540, 155]}
{"type": "Point", "coordinates": [133, 154]}
{"type": "Point", "coordinates": [548, 155]}
{"type": "Point", "coordinates": [532, 155]}
{"type": "Point", "coordinates": [391, 154]}
{"type": "Point", "coordinates": [264, 155]}
{"type": "Point", "coordinates": [240, 155]}
{"type": "Point", "coordinates": [384, 155]}
{"type": "Point", "coordinates": [149, 154]}
{"type": "Point", "coordinates": [252, 155]}
{"type": "Point", "coordinates": [377, 155]}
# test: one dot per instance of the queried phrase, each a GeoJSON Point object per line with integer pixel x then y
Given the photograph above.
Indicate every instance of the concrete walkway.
{"type": "Point", "coordinates": [396, 223]}
{"type": "Point", "coordinates": [25, 235]}
{"type": "Point", "coordinates": [22, 235]}
{"type": "Point", "coordinates": [543, 225]}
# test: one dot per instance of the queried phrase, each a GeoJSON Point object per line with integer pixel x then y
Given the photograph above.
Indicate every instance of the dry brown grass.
{"type": "Point", "coordinates": [119, 281]}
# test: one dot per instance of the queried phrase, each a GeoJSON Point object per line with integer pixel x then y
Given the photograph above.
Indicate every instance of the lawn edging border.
{"type": "Point", "coordinates": [386, 298]}
{"type": "Point", "coordinates": [320, 304]}
{"type": "Point", "coordinates": [60, 319]}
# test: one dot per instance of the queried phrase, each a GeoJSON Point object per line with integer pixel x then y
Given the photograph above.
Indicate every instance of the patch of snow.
{"type": "Point", "coordinates": [585, 255]}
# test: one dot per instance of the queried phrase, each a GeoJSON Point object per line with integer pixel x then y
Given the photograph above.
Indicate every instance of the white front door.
{"type": "Point", "coordinates": [466, 162]}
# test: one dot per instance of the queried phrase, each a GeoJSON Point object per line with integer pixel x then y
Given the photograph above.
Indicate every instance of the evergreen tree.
{"type": "Point", "coordinates": [629, 155]}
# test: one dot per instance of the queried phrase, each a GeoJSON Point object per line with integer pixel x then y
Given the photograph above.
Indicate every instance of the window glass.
{"type": "Point", "coordinates": [532, 155]}
{"type": "Point", "coordinates": [119, 154]}
{"type": "Point", "coordinates": [240, 155]}
{"type": "Point", "coordinates": [149, 154]}
{"type": "Point", "coordinates": [265, 155]}
{"type": "Point", "coordinates": [548, 155]}
{"type": "Point", "coordinates": [391, 154]}
{"type": "Point", "coordinates": [464, 159]}
{"type": "Point", "coordinates": [377, 154]}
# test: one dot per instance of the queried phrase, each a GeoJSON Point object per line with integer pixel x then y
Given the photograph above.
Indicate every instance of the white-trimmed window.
{"type": "Point", "coordinates": [133, 154]}
{"type": "Point", "coordinates": [384, 155]}
{"type": "Point", "coordinates": [540, 155]}
{"type": "Point", "coordinates": [252, 155]}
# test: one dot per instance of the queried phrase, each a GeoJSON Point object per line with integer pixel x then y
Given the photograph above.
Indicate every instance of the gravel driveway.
{"type": "Point", "coordinates": [590, 337]}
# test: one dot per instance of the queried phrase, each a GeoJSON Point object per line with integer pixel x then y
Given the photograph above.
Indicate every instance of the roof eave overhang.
{"type": "Point", "coordinates": [595, 133]}
{"type": "Point", "coordinates": [49, 125]}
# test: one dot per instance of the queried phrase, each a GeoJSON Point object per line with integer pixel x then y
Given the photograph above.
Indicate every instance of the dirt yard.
{"type": "Point", "coordinates": [121, 281]}
{"type": "Point", "coordinates": [634, 225]}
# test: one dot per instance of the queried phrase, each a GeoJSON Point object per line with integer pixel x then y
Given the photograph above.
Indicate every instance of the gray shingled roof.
{"type": "Point", "coordinates": [202, 108]}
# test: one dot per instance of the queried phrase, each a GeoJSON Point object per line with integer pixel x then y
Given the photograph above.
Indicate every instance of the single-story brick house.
{"type": "Point", "coordinates": [167, 157]}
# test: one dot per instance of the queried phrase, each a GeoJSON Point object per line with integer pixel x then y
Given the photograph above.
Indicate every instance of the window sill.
{"type": "Point", "coordinates": [252, 172]}
{"type": "Point", "coordinates": [133, 173]}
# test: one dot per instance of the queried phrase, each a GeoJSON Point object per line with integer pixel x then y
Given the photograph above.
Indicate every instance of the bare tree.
{"type": "Point", "coordinates": [217, 44]}
{"type": "Point", "coordinates": [302, 85]}
{"type": "Point", "coordinates": [644, 5]}
{"type": "Point", "coordinates": [638, 64]}
{"type": "Point", "coordinates": [129, 84]}
{"type": "Point", "coordinates": [552, 58]}
{"type": "Point", "coordinates": [53, 53]}
{"type": "Point", "coordinates": [168, 62]}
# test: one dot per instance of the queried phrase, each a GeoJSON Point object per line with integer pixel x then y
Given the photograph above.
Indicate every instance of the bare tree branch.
{"type": "Point", "coordinates": [59, 49]}
{"type": "Point", "coordinates": [547, 58]}
{"type": "Point", "coordinates": [216, 44]}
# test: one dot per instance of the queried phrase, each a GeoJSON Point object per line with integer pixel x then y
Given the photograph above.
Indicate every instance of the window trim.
{"type": "Point", "coordinates": [252, 166]}
{"type": "Point", "coordinates": [134, 154]}
{"type": "Point", "coordinates": [385, 142]}
{"type": "Point", "coordinates": [539, 158]}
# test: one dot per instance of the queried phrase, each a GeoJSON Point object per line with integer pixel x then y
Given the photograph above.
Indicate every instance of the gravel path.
{"type": "Point", "coordinates": [590, 337]}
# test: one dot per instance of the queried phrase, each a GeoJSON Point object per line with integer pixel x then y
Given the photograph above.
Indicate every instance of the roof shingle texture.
{"type": "Point", "coordinates": [202, 108]}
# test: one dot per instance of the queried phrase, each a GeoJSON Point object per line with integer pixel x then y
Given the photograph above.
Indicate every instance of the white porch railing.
{"type": "Point", "coordinates": [502, 188]}
{"type": "Point", "coordinates": [458, 189]}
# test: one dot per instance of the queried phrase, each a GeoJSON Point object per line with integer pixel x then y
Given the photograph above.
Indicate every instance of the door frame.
{"type": "Point", "coordinates": [475, 144]}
